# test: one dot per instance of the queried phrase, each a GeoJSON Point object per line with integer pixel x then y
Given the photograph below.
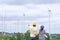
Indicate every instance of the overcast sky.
{"type": "Point", "coordinates": [16, 15]}
{"type": "Point", "coordinates": [20, 2]}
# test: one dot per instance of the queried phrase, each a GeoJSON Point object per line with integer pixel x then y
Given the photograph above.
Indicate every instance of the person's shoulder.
{"type": "Point", "coordinates": [44, 30]}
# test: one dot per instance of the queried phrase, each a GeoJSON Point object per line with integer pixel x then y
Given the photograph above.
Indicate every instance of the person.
{"type": "Point", "coordinates": [42, 33]}
{"type": "Point", "coordinates": [33, 32]}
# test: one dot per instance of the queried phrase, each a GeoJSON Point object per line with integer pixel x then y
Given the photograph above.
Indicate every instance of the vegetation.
{"type": "Point", "coordinates": [26, 36]}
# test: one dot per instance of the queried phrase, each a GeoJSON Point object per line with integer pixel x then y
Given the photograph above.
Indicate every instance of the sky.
{"type": "Point", "coordinates": [16, 15]}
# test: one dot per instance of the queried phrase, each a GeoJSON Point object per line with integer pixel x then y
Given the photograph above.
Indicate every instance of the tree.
{"type": "Point", "coordinates": [48, 37]}
{"type": "Point", "coordinates": [27, 35]}
{"type": "Point", "coordinates": [19, 36]}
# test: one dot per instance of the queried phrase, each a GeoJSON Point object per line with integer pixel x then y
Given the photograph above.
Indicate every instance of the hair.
{"type": "Point", "coordinates": [41, 29]}
{"type": "Point", "coordinates": [34, 25]}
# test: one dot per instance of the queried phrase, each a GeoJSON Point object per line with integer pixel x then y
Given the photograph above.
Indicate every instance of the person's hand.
{"type": "Point", "coordinates": [46, 36]}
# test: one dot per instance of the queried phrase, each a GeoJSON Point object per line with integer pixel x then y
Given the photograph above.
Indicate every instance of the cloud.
{"type": "Point", "coordinates": [14, 16]}
{"type": "Point", "coordinates": [22, 2]}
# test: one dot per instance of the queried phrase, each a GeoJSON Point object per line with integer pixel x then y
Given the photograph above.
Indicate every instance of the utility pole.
{"type": "Point", "coordinates": [24, 19]}
{"type": "Point", "coordinates": [49, 22]}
